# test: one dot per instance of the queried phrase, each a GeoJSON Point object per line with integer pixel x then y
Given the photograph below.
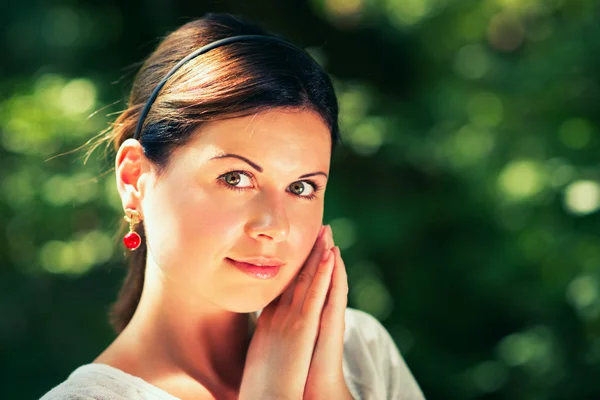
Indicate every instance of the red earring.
{"type": "Point", "coordinates": [132, 240]}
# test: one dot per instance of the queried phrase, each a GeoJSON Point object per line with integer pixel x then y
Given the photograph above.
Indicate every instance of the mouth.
{"type": "Point", "coordinates": [261, 261]}
{"type": "Point", "coordinates": [263, 271]}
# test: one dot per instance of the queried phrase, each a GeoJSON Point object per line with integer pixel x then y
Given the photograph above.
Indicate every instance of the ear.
{"type": "Point", "coordinates": [131, 165]}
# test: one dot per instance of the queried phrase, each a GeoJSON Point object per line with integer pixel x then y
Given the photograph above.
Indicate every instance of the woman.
{"type": "Point", "coordinates": [221, 169]}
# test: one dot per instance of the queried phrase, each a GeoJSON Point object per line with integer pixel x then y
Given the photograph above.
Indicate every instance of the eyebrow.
{"type": "Point", "coordinates": [258, 167]}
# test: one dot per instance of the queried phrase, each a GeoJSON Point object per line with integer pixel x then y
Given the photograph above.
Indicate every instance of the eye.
{"type": "Point", "coordinates": [233, 178]}
{"type": "Point", "coordinates": [302, 188]}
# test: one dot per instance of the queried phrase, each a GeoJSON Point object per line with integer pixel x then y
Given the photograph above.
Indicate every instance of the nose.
{"type": "Point", "coordinates": [269, 221]}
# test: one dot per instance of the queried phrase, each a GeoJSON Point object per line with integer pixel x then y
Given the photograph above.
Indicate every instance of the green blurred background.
{"type": "Point", "coordinates": [465, 200]}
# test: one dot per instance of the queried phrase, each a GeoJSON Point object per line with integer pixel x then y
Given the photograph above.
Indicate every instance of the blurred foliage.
{"type": "Point", "coordinates": [465, 202]}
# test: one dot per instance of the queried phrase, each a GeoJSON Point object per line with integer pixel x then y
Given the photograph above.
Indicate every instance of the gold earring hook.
{"type": "Point", "coordinates": [133, 217]}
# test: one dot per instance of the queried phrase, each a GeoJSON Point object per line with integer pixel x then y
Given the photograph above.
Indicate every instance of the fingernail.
{"type": "Point", "coordinates": [321, 231]}
{"type": "Point", "coordinates": [326, 237]}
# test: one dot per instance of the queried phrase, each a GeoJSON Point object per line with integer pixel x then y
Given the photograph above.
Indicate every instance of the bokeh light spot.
{"type": "Point", "coordinates": [403, 13]}
{"type": "Point", "coordinates": [78, 96]}
{"type": "Point", "coordinates": [521, 179]}
{"type": "Point", "coordinates": [582, 197]}
{"type": "Point", "coordinates": [489, 376]}
{"type": "Point", "coordinates": [78, 256]}
{"type": "Point", "coordinates": [469, 145]}
{"type": "Point", "coordinates": [344, 231]}
{"type": "Point", "coordinates": [62, 27]}
{"type": "Point", "coordinates": [472, 61]}
{"type": "Point", "coordinates": [371, 295]}
{"type": "Point", "coordinates": [368, 290]}
{"type": "Point", "coordinates": [344, 8]}
{"type": "Point", "coordinates": [582, 292]}
{"type": "Point", "coordinates": [505, 32]}
{"type": "Point", "coordinates": [367, 137]}
{"type": "Point", "coordinates": [533, 348]}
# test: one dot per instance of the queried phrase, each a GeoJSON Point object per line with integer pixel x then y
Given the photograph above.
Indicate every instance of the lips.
{"type": "Point", "coordinates": [258, 271]}
{"type": "Point", "coordinates": [260, 261]}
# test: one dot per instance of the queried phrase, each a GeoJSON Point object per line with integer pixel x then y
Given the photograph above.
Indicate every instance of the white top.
{"type": "Point", "coordinates": [373, 369]}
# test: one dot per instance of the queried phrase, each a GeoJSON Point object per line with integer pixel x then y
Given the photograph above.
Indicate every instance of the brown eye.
{"type": "Point", "coordinates": [234, 178]}
{"type": "Point", "coordinates": [299, 188]}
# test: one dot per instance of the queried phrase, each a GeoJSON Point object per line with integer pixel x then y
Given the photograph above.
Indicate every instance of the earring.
{"type": "Point", "coordinates": [132, 240]}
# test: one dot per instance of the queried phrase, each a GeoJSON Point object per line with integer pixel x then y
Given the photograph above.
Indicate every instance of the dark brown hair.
{"type": "Point", "coordinates": [233, 80]}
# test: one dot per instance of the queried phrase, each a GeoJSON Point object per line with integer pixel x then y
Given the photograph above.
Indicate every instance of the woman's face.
{"type": "Point", "coordinates": [210, 205]}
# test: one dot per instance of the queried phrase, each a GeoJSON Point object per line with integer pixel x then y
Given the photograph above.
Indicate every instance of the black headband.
{"type": "Point", "coordinates": [196, 53]}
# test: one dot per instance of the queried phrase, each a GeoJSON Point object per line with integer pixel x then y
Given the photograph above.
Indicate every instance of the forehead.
{"type": "Point", "coordinates": [286, 139]}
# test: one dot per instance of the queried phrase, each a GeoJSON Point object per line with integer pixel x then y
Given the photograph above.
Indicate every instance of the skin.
{"type": "Point", "coordinates": [189, 334]}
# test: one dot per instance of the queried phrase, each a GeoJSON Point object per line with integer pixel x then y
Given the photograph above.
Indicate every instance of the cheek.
{"type": "Point", "coordinates": [301, 242]}
{"type": "Point", "coordinates": [186, 226]}
{"type": "Point", "coordinates": [209, 228]}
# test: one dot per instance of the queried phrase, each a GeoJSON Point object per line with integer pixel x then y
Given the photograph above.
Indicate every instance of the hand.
{"type": "Point", "coordinates": [325, 377]}
{"type": "Point", "coordinates": [281, 349]}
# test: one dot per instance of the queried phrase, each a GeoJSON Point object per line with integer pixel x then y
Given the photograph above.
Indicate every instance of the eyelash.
{"type": "Point", "coordinates": [316, 187]}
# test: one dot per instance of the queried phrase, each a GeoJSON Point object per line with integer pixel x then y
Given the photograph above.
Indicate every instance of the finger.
{"type": "Point", "coordinates": [288, 293]}
{"type": "Point", "coordinates": [306, 276]}
{"type": "Point", "coordinates": [317, 291]}
{"type": "Point", "coordinates": [329, 347]}
{"type": "Point", "coordinates": [337, 298]}
{"type": "Point", "coordinates": [266, 315]}
{"type": "Point", "coordinates": [285, 300]}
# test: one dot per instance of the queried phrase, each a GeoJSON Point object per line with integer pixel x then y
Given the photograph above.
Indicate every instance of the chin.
{"type": "Point", "coordinates": [246, 304]}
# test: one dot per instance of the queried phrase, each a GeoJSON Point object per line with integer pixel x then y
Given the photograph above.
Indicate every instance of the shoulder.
{"type": "Point", "coordinates": [99, 381]}
{"type": "Point", "coordinates": [366, 336]}
{"type": "Point", "coordinates": [372, 362]}
{"type": "Point", "coordinates": [79, 388]}
{"type": "Point", "coordinates": [360, 324]}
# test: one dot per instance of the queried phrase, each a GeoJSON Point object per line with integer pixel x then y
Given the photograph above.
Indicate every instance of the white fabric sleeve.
{"type": "Point", "coordinates": [373, 365]}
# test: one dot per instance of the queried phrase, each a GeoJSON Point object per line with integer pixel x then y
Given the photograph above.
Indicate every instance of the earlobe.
{"type": "Point", "coordinates": [128, 170]}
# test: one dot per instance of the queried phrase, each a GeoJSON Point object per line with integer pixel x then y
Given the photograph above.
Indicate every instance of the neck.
{"type": "Point", "coordinates": [172, 338]}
